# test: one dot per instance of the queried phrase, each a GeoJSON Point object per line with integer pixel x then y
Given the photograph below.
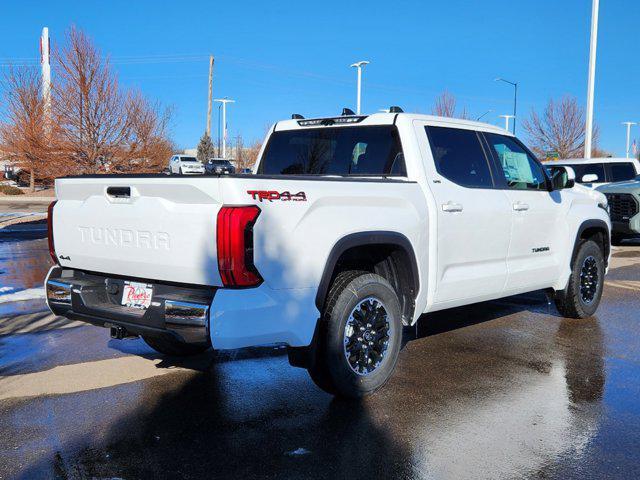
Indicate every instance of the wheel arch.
{"type": "Point", "coordinates": [597, 230]}
{"type": "Point", "coordinates": [387, 253]}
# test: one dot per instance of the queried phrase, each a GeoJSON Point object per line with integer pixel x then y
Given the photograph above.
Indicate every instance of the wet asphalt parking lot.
{"type": "Point", "coordinates": [503, 389]}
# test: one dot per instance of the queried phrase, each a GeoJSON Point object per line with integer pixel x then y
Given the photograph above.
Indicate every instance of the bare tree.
{"type": "Point", "coordinates": [240, 156]}
{"type": "Point", "coordinates": [88, 103]}
{"type": "Point", "coordinates": [560, 128]}
{"type": "Point", "coordinates": [146, 147]}
{"type": "Point", "coordinates": [251, 154]}
{"type": "Point", "coordinates": [26, 135]}
{"type": "Point", "coordinates": [94, 125]}
{"type": "Point", "coordinates": [445, 106]}
{"type": "Point", "coordinates": [104, 127]}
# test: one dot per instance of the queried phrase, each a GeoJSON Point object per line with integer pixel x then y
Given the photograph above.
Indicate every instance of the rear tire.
{"type": "Point", "coordinates": [174, 347]}
{"type": "Point", "coordinates": [581, 297]}
{"type": "Point", "coordinates": [359, 337]}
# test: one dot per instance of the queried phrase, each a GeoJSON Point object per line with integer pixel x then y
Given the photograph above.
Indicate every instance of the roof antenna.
{"type": "Point", "coordinates": [395, 109]}
{"type": "Point", "coordinates": [347, 112]}
{"type": "Point", "coordinates": [296, 116]}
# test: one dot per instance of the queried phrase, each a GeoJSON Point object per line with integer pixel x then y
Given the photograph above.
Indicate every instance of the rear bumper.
{"type": "Point", "coordinates": [223, 318]}
{"type": "Point", "coordinates": [175, 311]}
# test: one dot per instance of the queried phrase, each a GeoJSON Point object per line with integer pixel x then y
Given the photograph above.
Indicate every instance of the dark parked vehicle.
{"type": "Point", "coordinates": [217, 166]}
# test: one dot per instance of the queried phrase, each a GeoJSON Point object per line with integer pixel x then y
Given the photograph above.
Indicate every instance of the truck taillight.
{"type": "Point", "coordinates": [52, 250]}
{"type": "Point", "coordinates": [235, 246]}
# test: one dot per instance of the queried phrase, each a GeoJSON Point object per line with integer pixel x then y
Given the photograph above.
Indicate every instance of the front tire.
{"type": "Point", "coordinates": [359, 336]}
{"type": "Point", "coordinates": [581, 297]}
{"type": "Point", "coordinates": [174, 347]}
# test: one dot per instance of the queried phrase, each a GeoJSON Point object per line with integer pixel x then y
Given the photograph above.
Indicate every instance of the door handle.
{"type": "Point", "coordinates": [519, 206]}
{"type": "Point", "coordinates": [119, 192]}
{"type": "Point", "coordinates": [451, 207]}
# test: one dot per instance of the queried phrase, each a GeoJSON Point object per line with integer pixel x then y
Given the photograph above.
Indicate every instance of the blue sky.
{"type": "Point", "coordinates": [276, 58]}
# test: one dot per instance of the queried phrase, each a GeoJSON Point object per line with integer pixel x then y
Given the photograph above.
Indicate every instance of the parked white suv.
{"type": "Point", "coordinates": [594, 172]}
{"type": "Point", "coordinates": [185, 165]}
{"type": "Point", "coordinates": [351, 228]}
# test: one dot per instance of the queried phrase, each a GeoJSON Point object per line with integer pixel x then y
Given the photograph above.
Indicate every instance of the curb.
{"type": "Point", "coordinates": [11, 199]}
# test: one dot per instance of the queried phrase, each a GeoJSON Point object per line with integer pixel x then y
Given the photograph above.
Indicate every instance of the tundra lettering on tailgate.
{"type": "Point", "coordinates": [121, 237]}
{"type": "Point", "coordinates": [272, 195]}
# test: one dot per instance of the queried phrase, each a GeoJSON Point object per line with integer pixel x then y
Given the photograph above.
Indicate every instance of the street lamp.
{"type": "Point", "coordinates": [224, 102]}
{"type": "Point", "coordinates": [506, 121]}
{"type": "Point", "coordinates": [359, 66]}
{"type": "Point", "coordinates": [588, 135]}
{"type": "Point", "coordinates": [628, 124]}
{"type": "Point", "coordinates": [515, 99]}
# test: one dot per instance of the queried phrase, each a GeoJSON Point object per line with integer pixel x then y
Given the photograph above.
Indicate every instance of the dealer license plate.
{"type": "Point", "coordinates": [137, 295]}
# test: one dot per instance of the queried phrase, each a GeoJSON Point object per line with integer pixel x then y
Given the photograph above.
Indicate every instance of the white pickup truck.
{"type": "Point", "coordinates": [351, 228]}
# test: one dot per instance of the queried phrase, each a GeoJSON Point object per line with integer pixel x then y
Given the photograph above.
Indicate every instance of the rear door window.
{"type": "Point", "coordinates": [620, 171]}
{"type": "Point", "coordinates": [373, 150]}
{"type": "Point", "coordinates": [459, 156]}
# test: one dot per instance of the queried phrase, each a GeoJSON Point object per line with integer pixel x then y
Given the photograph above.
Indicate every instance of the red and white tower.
{"type": "Point", "coordinates": [46, 72]}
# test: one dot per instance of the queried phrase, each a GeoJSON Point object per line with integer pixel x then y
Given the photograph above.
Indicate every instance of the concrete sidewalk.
{"type": "Point", "coordinates": [13, 199]}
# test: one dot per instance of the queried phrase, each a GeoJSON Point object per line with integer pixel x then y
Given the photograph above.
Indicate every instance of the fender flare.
{"type": "Point", "coordinates": [361, 239]}
{"type": "Point", "coordinates": [593, 223]}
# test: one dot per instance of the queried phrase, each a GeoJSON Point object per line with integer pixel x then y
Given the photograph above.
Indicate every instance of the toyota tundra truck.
{"type": "Point", "coordinates": [351, 228]}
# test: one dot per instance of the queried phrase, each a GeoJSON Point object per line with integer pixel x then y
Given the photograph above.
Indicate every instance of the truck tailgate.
{"type": "Point", "coordinates": [157, 228]}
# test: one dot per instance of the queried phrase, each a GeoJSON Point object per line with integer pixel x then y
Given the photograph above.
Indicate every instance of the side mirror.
{"type": "Point", "coordinates": [562, 177]}
{"type": "Point", "coordinates": [590, 178]}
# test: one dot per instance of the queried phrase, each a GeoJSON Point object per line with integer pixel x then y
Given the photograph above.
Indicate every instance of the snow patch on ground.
{"type": "Point", "coordinates": [20, 295]}
{"type": "Point", "coordinates": [298, 451]}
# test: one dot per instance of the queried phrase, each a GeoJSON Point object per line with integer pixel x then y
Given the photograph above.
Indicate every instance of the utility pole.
{"type": "Point", "coordinates": [628, 124]}
{"type": "Point", "coordinates": [359, 66]}
{"type": "Point", "coordinates": [588, 136]}
{"type": "Point", "coordinates": [46, 75]}
{"type": "Point", "coordinates": [238, 150]}
{"type": "Point", "coordinates": [506, 120]}
{"type": "Point", "coordinates": [224, 102]}
{"type": "Point", "coordinates": [210, 96]}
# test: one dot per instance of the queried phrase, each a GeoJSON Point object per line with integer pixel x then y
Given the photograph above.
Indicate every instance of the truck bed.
{"type": "Point", "coordinates": [163, 227]}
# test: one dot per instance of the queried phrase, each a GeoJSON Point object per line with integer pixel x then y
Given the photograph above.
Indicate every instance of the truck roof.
{"type": "Point", "coordinates": [386, 119]}
{"type": "Point", "coordinates": [586, 161]}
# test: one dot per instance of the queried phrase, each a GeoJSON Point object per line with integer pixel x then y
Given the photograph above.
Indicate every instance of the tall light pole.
{"type": "Point", "coordinates": [219, 124]}
{"type": "Point", "coordinates": [224, 102]}
{"type": "Point", "coordinates": [359, 66]}
{"type": "Point", "coordinates": [588, 136]}
{"type": "Point", "coordinates": [210, 96]}
{"type": "Point", "coordinates": [515, 99]}
{"type": "Point", "coordinates": [506, 120]}
{"type": "Point", "coordinates": [46, 75]}
{"type": "Point", "coordinates": [628, 124]}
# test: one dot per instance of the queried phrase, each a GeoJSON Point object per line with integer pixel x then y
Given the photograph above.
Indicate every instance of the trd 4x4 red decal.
{"type": "Point", "coordinates": [272, 195]}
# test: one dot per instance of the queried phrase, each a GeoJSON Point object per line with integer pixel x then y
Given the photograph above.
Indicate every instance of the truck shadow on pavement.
{"type": "Point", "coordinates": [479, 393]}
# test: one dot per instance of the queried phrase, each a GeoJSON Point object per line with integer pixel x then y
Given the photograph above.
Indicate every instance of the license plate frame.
{"type": "Point", "coordinates": [136, 295]}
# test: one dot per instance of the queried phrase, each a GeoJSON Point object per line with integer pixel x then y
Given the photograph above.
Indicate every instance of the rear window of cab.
{"type": "Point", "coordinates": [361, 150]}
